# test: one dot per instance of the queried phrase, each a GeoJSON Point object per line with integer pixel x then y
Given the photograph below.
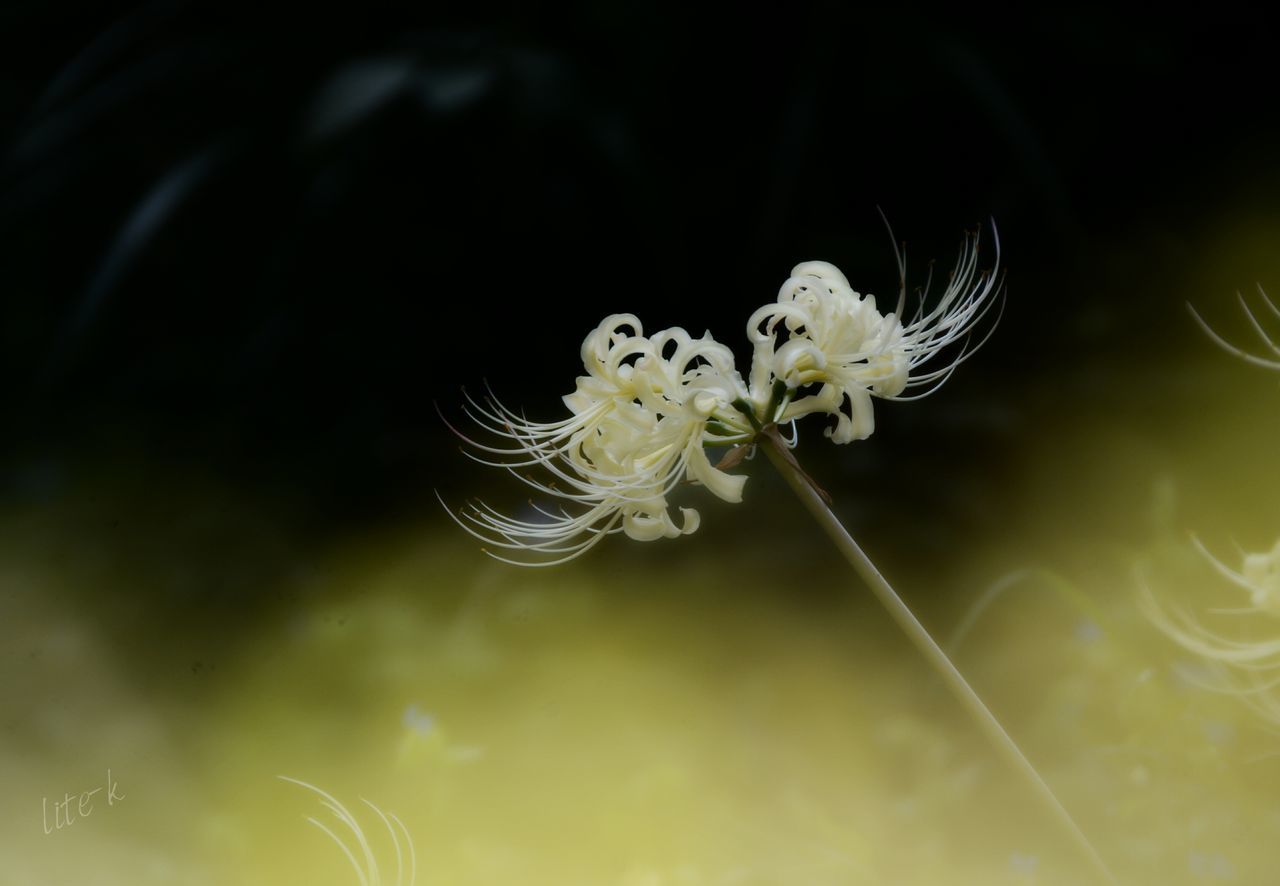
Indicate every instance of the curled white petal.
{"type": "Point", "coordinates": [821, 332]}
{"type": "Point", "coordinates": [644, 528]}
{"type": "Point", "coordinates": [721, 484]}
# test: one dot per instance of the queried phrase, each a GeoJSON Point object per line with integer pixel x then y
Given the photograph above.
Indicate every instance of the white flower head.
{"type": "Point", "coordinates": [640, 419]}
{"type": "Point", "coordinates": [648, 407]}
{"type": "Point", "coordinates": [837, 340]}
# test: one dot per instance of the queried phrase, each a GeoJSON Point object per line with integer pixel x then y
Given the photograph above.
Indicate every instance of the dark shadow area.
{"type": "Point", "coordinates": [263, 245]}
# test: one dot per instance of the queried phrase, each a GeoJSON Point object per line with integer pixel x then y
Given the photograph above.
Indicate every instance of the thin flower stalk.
{"type": "Point", "coordinates": [959, 687]}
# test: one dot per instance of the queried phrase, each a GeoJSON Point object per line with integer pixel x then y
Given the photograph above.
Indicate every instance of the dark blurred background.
{"type": "Point", "coordinates": [264, 243]}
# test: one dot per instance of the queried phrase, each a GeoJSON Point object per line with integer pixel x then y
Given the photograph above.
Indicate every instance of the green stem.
{"type": "Point", "coordinates": [774, 447]}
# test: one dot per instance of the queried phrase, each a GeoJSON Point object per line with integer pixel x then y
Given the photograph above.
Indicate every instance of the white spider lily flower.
{"type": "Point", "coordinates": [838, 339]}
{"type": "Point", "coordinates": [648, 407]}
{"type": "Point", "coordinates": [1268, 339]}
{"type": "Point", "coordinates": [640, 419]}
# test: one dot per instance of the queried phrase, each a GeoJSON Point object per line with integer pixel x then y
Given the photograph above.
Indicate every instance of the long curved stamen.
{"type": "Point", "coordinates": [1268, 341]}
{"type": "Point", "coordinates": [367, 873]}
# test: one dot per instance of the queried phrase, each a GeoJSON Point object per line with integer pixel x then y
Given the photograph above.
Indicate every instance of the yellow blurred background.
{"type": "Point", "coordinates": [729, 708]}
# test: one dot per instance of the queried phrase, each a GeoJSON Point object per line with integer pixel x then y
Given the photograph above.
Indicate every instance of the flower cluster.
{"type": "Point", "coordinates": [650, 406]}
